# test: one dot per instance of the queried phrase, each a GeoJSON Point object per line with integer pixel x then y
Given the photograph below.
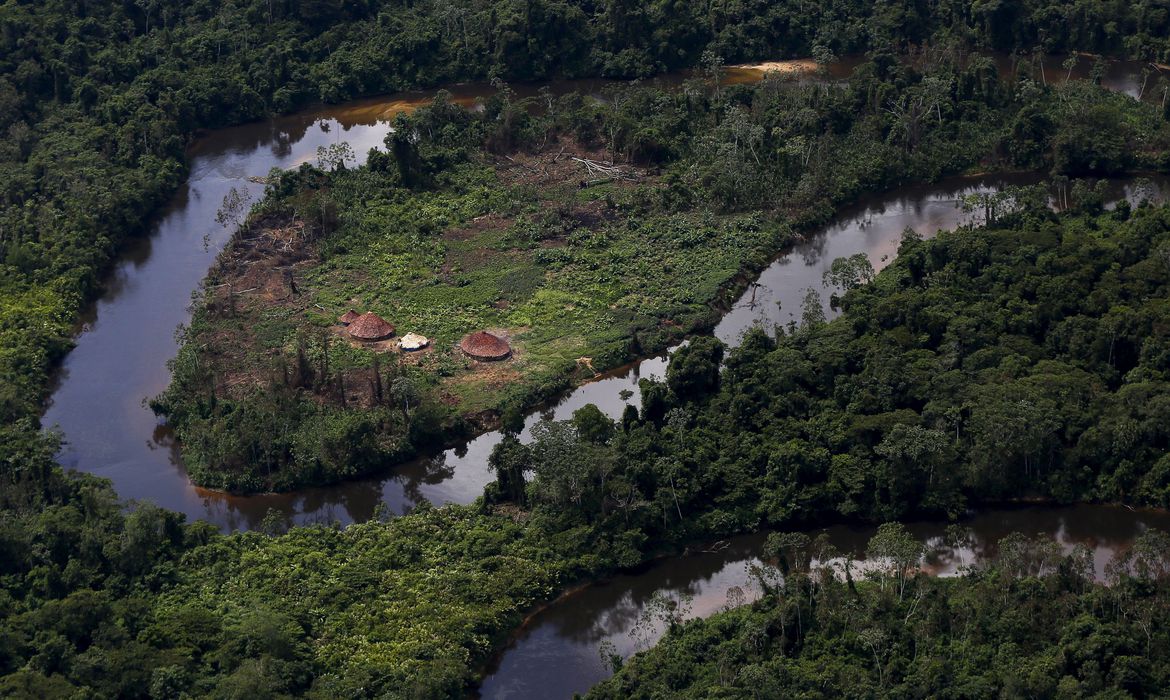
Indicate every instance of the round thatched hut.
{"type": "Point", "coordinates": [482, 345]}
{"type": "Point", "coordinates": [348, 317]}
{"type": "Point", "coordinates": [413, 341]}
{"type": "Point", "coordinates": [371, 326]}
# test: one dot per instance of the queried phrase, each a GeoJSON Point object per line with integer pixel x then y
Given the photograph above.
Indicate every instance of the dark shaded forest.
{"type": "Point", "coordinates": [1031, 623]}
{"type": "Point", "coordinates": [890, 410]}
{"type": "Point", "coordinates": [744, 168]}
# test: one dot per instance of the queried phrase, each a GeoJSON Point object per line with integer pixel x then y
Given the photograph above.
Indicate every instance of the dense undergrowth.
{"type": "Point", "coordinates": [1032, 622]}
{"type": "Point", "coordinates": [441, 235]}
{"type": "Point", "coordinates": [98, 100]}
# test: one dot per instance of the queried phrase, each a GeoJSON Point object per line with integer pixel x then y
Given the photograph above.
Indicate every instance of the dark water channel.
{"type": "Point", "coordinates": [557, 654]}
{"type": "Point", "coordinates": [127, 336]}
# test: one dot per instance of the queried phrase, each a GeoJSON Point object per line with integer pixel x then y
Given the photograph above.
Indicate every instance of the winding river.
{"type": "Point", "coordinates": [557, 652]}
{"type": "Point", "coordinates": [126, 338]}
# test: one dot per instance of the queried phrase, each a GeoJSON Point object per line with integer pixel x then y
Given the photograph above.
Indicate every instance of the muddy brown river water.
{"type": "Point", "coordinates": [126, 339]}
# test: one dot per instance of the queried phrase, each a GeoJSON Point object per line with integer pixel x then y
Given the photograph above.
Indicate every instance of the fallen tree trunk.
{"type": "Point", "coordinates": [612, 172]}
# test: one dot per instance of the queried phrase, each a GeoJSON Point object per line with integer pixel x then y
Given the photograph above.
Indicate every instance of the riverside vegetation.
{"type": "Point", "coordinates": [97, 101]}
{"type": "Point", "coordinates": [1052, 324]}
{"type": "Point", "coordinates": [266, 395]}
{"type": "Point", "coordinates": [477, 219]}
{"type": "Point", "coordinates": [1032, 622]}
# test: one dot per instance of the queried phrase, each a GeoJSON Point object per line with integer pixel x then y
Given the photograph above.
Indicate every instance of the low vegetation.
{"type": "Point", "coordinates": [472, 220]}
{"type": "Point", "coordinates": [1055, 325]}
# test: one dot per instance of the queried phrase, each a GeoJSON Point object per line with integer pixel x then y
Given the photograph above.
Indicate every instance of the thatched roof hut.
{"type": "Point", "coordinates": [482, 345]}
{"type": "Point", "coordinates": [348, 317]}
{"type": "Point", "coordinates": [371, 326]}
{"type": "Point", "coordinates": [413, 341]}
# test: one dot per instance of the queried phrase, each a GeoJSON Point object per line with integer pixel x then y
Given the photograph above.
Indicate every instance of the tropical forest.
{"type": "Point", "coordinates": [564, 349]}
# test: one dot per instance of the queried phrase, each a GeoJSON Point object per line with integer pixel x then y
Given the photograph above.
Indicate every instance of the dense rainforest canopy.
{"type": "Point", "coordinates": [892, 409]}
{"type": "Point", "coordinates": [1032, 623]}
{"type": "Point", "coordinates": [453, 227]}
{"type": "Point", "coordinates": [889, 410]}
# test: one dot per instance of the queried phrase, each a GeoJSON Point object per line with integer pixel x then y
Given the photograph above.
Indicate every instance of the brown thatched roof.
{"type": "Point", "coordinates": [484, 346]}
{"type": "Point", "coordinates": [371, 326]}
{"type": "Point", "coordinates": [348, 317]}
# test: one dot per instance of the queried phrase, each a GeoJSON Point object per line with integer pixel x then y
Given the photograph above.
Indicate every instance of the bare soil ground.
{"type": "Point", "coordinates": [557, 168]}
{"type": "Point", "coordinates": [260, 276]}
{"type": "Point", "coordinates": [560, 163]}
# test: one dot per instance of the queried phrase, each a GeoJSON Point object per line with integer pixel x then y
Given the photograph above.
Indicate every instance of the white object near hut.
{"type": "Point", "coordinates": [413, 341]}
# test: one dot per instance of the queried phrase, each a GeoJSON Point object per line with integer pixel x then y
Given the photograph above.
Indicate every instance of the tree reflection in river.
{"type": "Point", "coordinates": [430, 470]}
{"type": "Point", "coordinates": [556, 653]}
{"type": "Point", "coordinates": [409, 485]}
{"type": "Point", "coordinates": [874, 226]}
{"type": "Point", "coordinates": [121, 357]}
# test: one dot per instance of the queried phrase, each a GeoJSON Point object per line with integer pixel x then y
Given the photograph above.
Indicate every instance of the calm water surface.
{"type": "Point", "coordinates": [874, 226]}
{"type": "Point", "coordinates": [556, 654]}
{"type": "Point", "coordinates": [127, 336]}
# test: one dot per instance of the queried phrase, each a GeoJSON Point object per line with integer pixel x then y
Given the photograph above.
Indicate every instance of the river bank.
{"type": "Point", "coordinates": [556, 652]}
{"type": "Point", "coordinates": [458, 475]}
{"type": "Point", "coordinates": [120, 357]}
{"type": "Point", "coordinates": [577, 280]}
{"type": "Point", "coordinates": [123, 350]}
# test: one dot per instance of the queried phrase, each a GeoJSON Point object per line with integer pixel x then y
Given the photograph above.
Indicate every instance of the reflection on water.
{"type": "Point", "coordinates": [127, 336]}
{"type": "Point", "coordinates": [457, 475]}
{"type": "Point", "coordinates": [557, 653]}
{"type": "Point", "coordinates": [122, 352]}
{"type": "Point", "coordinates": [874, 226]}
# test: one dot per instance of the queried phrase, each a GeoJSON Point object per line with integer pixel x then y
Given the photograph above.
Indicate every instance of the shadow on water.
{"type": "Point", "coordinates": [556, 654]}
{"type": "Point", "coordinates": [127, 336]}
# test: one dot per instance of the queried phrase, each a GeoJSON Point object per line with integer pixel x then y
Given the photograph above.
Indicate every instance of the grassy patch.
{"type": "Point", "coordinates": [568, 275]}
